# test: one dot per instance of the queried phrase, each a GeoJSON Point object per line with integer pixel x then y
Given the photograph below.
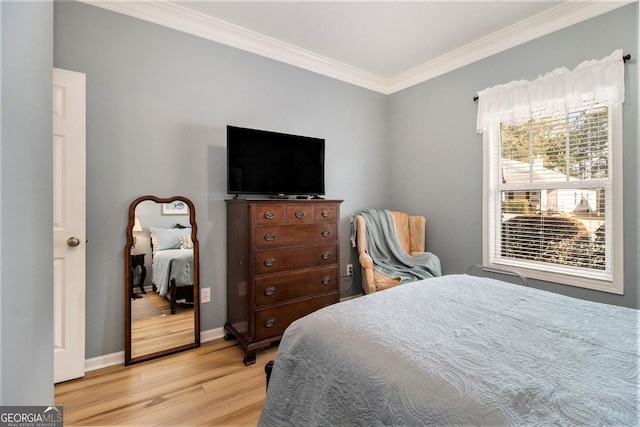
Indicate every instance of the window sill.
{"type": "Point", "coordinates": [615, 286]}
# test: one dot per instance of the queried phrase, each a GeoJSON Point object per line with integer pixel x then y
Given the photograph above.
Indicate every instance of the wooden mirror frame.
{"type": "Point", "coordinates": [128, 360]}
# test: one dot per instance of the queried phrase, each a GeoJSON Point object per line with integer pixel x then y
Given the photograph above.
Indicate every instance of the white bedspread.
{"type": "Point", "coordinates": [172, 264]}
{"type": "Point", "coordinates": [458, 350]}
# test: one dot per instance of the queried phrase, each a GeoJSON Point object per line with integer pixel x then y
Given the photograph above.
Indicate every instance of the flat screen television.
{"type": "Point", "coordinates": [260, 162]}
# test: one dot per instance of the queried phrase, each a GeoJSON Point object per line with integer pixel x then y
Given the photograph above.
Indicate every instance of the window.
{"type": "Point", "coordinates": [553, 178]}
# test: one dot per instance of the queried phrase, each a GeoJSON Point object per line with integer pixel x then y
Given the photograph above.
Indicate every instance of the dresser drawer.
{"type": "Point", "coordinates": [272, 321]}
{"type": "Point", "coordinates": [284, 259]}
{"type": "Point", "coordinates": [267, 236]}
{"type": "Point", "coordinates": [325, 212]}
{"type": "Point", "coordinates": [268, 213]}
{"type": "Point", "coordinates": [298, 214]}
{"type": "Point", "coordinates": [287, 286]}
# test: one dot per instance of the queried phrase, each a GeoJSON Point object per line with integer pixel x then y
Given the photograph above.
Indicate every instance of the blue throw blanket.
{"type": "Point", "coordinates": [387, 254]}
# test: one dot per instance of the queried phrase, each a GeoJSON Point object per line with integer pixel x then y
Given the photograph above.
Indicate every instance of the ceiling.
{"type": "Point", "coordinates": [384, 46]}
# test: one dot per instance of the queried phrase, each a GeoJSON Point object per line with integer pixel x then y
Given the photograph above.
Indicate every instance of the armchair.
{"type": "Point", "coordinates": [391, 263]}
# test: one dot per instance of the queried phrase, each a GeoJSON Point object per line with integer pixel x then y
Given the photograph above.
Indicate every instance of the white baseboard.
{"type": "Point", "coordinates": [118, 358]}
{"type": "Point", "coordinates": [211, 334]}
{"type": "Point", "coordinates": [104, 361]}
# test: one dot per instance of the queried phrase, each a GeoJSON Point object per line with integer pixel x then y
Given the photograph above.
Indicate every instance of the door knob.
{"type": "Point", "coordinates": [73, 241]}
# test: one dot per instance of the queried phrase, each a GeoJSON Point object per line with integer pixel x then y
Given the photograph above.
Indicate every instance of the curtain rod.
{"type": "Point", "coordinates": [625, 58]}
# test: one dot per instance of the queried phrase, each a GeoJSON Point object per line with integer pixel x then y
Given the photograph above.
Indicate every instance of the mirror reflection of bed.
{"type": "Point", "coordinates": [162, 279]}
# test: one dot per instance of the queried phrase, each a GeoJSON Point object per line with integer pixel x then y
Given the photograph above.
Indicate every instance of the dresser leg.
{"type": "Point", "coordinates": [250, 357]}
{"type": "Point", "coordinates": [228, 335]}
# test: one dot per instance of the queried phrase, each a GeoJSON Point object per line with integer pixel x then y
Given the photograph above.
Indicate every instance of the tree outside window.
{"type": "Point", "coordinates": [555, 221]}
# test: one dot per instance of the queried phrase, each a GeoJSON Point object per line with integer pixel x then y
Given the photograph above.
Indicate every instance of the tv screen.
{"type": "Point", "coordinates": [276, 164]}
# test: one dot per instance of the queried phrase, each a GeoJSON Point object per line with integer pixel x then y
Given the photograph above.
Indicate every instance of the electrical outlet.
{"type": "Point", "coordinates": [349, 269]}
{"type": "Point", "coordinates": [205, 295]}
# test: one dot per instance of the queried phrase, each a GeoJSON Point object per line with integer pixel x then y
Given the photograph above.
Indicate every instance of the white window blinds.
{"type": "Point", "coordinates": [553, 204]}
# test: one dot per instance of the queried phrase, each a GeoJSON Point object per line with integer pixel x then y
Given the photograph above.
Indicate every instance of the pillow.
{"type": "Point", "coordinates": [186, 242]}
{"type": "Point", "coordinates": [166, 238]}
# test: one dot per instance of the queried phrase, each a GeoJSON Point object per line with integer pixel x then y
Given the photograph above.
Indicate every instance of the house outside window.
{"type": "Point", "coordinates": [553, 176]}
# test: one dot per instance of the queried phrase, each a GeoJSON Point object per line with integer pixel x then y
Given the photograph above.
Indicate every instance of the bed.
{"type": "Point", "coordinates": [172, 264]}
{"type": "Point", "coordinates": [458, 350]}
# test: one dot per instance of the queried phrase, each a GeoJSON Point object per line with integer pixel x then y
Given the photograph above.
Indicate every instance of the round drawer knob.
{"type": "Point", "coordinates": [326, 280]}
{"type": "Point", "coordinates": [270, 236]}
{"type": "Point", "coordinates": [269, 262]}
{"type": "Point", "coordinates": [299, 213]}
{"type": "Point", "coordinates": [326, 213]}
{"type": "Point", "coordinates": [270, 322]}
{"type": "Point", "coordinates": [269, 214]}
{"type": "Point", "coordinates": [270, 290]}
{"type": "Point", "coordinates": [325, 255]}
{"type": "Point", "coordinates": [326, 233]}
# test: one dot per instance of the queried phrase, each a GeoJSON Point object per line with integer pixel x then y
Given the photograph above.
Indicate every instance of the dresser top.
{"type": "Point", "coordinates": [277, 200]}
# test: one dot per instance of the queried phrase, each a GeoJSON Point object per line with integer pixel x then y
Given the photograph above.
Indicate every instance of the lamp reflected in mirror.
{"type": "Point", "coordinates": [137, 227]}
{"type": "Point", "coordinates": [161, 279]}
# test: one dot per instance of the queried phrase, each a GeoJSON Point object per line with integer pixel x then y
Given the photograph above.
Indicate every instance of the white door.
{"type": "Point", "coordinates": [69, 190]}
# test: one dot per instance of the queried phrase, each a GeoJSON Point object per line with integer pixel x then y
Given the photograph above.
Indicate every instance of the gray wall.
{"type": "Point", "coordinates": [158, 103]}
{"type": "Point", "coordinates": [26, 240]}
{"type": "Point", "coordinates": [437, 155]}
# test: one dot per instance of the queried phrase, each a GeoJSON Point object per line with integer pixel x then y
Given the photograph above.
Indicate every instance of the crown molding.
{"type": "Point", "coordinates": [179, 18]}
{"type": "Point", "coordinates": [174, 16]}
{"type": "Point", "coordinates": [557, 18]}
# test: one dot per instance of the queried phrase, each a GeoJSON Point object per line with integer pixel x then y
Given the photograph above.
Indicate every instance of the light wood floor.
{"type": "Point", "coordinates": [159, 333]}
{"type": "Point", "coordinates": [207, 386]}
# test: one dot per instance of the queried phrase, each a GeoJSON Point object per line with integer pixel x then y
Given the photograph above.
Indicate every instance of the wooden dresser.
{"type": "Point", "coordinates": [282, 263]}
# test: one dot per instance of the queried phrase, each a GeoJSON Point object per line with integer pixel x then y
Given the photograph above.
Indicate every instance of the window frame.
{"type": "Point", "coordinates": [491, 142]}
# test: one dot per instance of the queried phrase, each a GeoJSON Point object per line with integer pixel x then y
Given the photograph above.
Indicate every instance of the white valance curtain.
{"type": "Point", "coordinates": [556, 93]}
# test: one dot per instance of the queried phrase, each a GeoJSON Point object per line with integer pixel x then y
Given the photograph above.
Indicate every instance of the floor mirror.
{"type": "Point", "coordinates": [161, 278]}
